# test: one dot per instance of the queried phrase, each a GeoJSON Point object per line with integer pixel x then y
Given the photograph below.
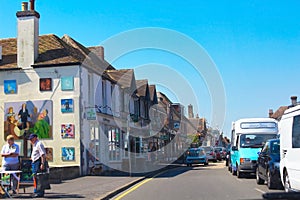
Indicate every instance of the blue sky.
{"type": "Point", "coordinates": [254, 44]}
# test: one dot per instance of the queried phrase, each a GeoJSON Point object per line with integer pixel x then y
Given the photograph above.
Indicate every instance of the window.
{"type": "Point", "coordinates": [90, 90]}
{"type": "Point", "coordinates": [296, 132]}
{"type": "Point", "coordinates": [122, 99]}
{"type": "Point", "coordinates": [114, 144]}
{"type": "Point", "coordinates": [103, 96]}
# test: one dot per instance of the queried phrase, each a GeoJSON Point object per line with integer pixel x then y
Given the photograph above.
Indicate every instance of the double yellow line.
{"type": "Point", "coordinates": [137, 186]}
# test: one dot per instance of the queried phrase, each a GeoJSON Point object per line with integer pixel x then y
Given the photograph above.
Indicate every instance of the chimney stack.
{"type": "Point", "coordinates": [271, 112]}
{"type": "Point", "coordinates": [190, 111]}
{"type": "Point", "coordinates": [101, 52]}
{"type": "Point", "coordinates": [28, 35]}
{"type": "Point", "coordinates": [294, 100]}
{"type": "Point", "coordinates": [24, 6]}
{"type": "Point", "coordinates": [32, 4]}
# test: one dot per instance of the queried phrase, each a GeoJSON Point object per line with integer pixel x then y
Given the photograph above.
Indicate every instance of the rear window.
{"type": "Point", "coordinates": [207, 149]}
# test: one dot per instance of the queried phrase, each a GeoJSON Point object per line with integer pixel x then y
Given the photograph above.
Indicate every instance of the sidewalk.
{"type": "Point", "coordinates": [91, 187]}
{"type": "Point", "coordinates": [88, 187]}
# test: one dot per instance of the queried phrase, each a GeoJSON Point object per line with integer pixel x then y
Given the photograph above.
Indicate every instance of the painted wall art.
{"type": "Point", "coordinates": [26, 117]}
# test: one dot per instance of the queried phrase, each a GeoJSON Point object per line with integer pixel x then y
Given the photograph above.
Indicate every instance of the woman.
{"type": "Point", "coordinates": [10, 161]}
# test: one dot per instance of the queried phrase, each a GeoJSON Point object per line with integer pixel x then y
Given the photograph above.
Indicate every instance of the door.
{"type": "Point", "coordinates": [264, 159]}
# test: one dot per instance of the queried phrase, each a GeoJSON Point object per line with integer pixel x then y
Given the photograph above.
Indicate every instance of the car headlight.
{"type": "Point", "coordinates": [244, 160]}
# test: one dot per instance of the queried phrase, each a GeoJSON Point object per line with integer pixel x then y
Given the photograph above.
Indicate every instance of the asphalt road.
{"type": "Point", "coordinates": [212, 183]}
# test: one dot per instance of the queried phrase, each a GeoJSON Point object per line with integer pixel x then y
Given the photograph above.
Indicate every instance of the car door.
{"type": "Point", "coordinates": [261, 160]}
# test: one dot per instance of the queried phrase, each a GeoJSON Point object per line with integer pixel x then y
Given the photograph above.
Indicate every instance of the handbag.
{"type": "Point", "coordinates": [42, 181]}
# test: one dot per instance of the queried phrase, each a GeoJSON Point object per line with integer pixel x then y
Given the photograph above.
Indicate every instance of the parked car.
{"type": "Point", "coordinates": [196, 156]}
{"type": "Point", "coordinates": [210, 153]}
{"type": "Point", "coordinates": [268, 165]}
{"type": "Point", "coordinates": [222, 151]}
{"type": "Point", "coordinates": [218, 153]}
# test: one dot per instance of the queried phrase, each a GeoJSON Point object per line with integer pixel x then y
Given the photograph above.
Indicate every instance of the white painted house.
{"type": "Point", "coordinates": [62, 83]}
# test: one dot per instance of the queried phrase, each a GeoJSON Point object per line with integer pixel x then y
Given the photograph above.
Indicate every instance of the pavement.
{"type": "Point", "coordinates": [90, 187]}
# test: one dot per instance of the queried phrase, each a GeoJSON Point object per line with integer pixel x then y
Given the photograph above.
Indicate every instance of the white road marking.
{"type": "Point", "coordinates": [259, 190]}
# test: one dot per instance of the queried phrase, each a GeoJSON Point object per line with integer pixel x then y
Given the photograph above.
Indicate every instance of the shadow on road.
{"type": "Point", "coordinates": [51, 196]}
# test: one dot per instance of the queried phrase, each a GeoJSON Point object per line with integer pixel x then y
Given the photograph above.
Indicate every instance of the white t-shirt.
{"type": "Point", "coordinates": [38, 150]}
{"type": "Point", "coordinates": [10, 149]}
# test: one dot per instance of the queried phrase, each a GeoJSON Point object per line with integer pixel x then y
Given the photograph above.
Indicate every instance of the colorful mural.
{"type": "Point", "coordinates": [68, 153]}
{"type": "Point", "coordinates": [67, 131]}
{"type": "Point", "coordinates": [23, 118]}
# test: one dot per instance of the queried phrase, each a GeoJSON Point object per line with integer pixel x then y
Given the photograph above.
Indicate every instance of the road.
{"type": "Point", "coordinates": [208, 183]}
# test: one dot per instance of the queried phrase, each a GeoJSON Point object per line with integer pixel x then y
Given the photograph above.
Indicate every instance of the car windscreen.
{"type": "Point", "coordinates": [255, 140]}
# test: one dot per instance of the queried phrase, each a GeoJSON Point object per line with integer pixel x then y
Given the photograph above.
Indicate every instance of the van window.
{"type": "Point", "coordinates": [296, 132]}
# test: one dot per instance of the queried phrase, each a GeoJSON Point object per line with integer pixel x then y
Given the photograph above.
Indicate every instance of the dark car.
{"type": "Point", "coordinates": [210, 153]}
{"type": "Point", "coordinates": [222, 151]}
{"type": "Point", "coordinates": [218, 152]}
{"type": "Point", "coordinates": [268, 165]}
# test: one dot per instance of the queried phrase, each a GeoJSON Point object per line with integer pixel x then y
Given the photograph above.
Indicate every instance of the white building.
{"type": "Point", "coordinates": [63, 83]}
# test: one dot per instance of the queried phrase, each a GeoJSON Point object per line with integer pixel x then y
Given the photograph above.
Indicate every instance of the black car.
{"type": "Point", "coordinates": [268, 165]}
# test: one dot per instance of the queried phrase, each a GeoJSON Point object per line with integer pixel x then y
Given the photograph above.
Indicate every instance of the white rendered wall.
{"type": "Point", "coordinates": [28, 90]}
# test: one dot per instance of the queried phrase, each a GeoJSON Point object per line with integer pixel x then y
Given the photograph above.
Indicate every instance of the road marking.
{"type": "Point", "coordinates": [259, 190]}
{"type": "Point", "coordinates": [138, 185]}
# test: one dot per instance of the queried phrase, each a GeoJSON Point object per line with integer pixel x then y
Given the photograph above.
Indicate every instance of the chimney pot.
{"type": "Point", "coordinates": [24, 6]}
{"type": "Point", "coordinates": [271, 112]}
{"type": "Point", "coordinates": [32, 4]}
{"type": "Point", "coordinates": [294, 100]}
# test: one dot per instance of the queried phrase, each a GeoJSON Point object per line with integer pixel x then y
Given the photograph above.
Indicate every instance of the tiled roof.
{"type": "Point", "coordinates": [278, 114]}
{"type": "Point", "coordinates": [153, 95]}
{"type": "Point", "coordinates": [53, 51]}
{"type": "Point", "coordinates": [124, 77]}
{"type": "Point", "coordinates": [142, 86]}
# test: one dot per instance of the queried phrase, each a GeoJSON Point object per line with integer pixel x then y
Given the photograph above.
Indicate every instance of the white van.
{"type": "Point", "coordinates": [289, 130]}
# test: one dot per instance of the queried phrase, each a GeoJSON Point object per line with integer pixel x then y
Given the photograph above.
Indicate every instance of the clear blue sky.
{"type": "Point", "coordinates": [254, 44]}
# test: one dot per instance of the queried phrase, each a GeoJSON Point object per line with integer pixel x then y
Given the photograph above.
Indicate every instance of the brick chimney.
{"type": "Point", "coordinates": [271, 112]}
{"type": "Point", "coordinates": [190, 111]}
{"type": "Point", "coordinates": [294, 100]}
{"type": "Point", "coordinates": [28, 35]}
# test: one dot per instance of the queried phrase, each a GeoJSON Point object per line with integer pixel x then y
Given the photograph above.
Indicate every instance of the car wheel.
{"type": "Point", "coordinates": [239, 174]}
{"type": "Point", "coordinates": [287, 184]}
{"type": "Point", "coordinates": [205, 164]}
{"type": "Point", "coordinates": [233, 171]}
{"type": "Point", "coordinates": [229, 168]}
{"type": "Point", "coordinates": [270, 181]}
{"type": "Point", "coordinates": [259, 180]}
